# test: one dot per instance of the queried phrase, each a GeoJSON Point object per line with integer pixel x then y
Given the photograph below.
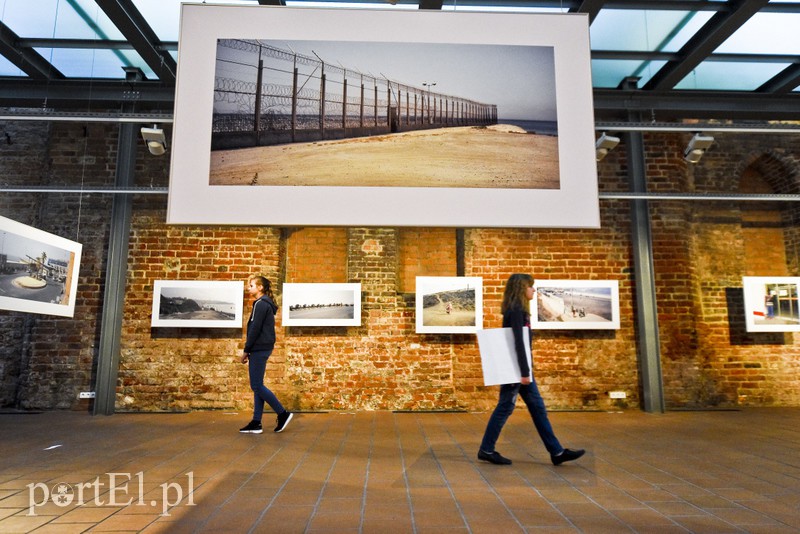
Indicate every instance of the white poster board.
{"type": "Point", "coordinates": [499, 357]}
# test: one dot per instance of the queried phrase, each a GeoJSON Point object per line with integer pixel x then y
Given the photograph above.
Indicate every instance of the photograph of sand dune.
{"type": "Point", "coordinates": [367, 117]}
{"type": "Point", "coordinates": [449, 304]}
{"type": "Point", "coordinates": [576, 305]}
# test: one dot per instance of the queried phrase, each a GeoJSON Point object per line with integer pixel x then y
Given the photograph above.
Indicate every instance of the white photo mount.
{"type": "Point", "coordinates": [449, 304]}
{"type": "Point", "coordinates": [197, 304]}
{"type": "Point", "coordinates": [575, 305]}
{"type": "Point", "coordinates": [771, 303]}
{"type": "Point", "coordinates": [321, 304]}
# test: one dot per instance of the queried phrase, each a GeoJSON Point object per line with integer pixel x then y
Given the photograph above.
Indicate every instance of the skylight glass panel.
{"type": "Point", "coordinates": [644, 30]}
{"type": "Point", "coordinates": [766, 33]}
{"type": "Point", "coordinates": [730, 76]}
{"type": "Point", "coordinates": [9, 69]}
{"type": "Point", "coordinates": [163, 16]}
{"type": "Point", "coordinates": [67, 19]}
{"type": "Point", "coordinates": [609, 73]}
{"type": "Point", "coordinates": [86, 63]}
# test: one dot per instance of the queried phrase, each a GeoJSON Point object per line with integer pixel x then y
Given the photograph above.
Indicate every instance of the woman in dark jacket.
{"type": "Point", "coordinates": [257, 350]}
{"type": "Point", "coordinates": [516, 315]}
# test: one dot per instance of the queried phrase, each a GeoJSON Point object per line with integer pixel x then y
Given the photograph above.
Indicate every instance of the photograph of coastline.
{"type": "Point", "coordinates": [576, 304]}
{"type": "Point", "coordinates": [449, 304]}
{"type": "Point", "coordinates": [38, 270]}
{"type": "Point", "coordinates": [320, 304]}
{"type": "Point", "coordinates": [474, 119]}
{"type": "Point", "coordinates": [431, 123]}
{"type": "Point", "coordinates": [771, 303]}
{"type": "Point", "coordinates": [197, 304]}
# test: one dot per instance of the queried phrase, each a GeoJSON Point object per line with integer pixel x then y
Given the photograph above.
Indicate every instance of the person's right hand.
{"type": "Point", "coordinates": [525, 380]}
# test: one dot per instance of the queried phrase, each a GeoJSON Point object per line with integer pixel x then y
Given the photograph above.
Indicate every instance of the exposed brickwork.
{"type": "Point", "coordinates": [701, 252]}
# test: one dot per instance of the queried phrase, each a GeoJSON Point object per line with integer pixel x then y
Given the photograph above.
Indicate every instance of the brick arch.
{"type": "Point", "coordinates": [781, 172]}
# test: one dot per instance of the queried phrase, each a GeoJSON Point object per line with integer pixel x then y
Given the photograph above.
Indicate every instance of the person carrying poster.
{"type": "Point", "coordinates": [518, 293]}
{"type": "Point", "coordinates": [258, 346]}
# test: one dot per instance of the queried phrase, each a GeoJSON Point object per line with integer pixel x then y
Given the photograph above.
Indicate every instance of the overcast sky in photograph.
{"type": "Point", "coordinates": [520, 80]}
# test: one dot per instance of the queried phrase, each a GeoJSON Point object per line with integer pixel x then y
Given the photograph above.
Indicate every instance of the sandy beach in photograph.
{"type": "Point", "coordinates": [498, 156]}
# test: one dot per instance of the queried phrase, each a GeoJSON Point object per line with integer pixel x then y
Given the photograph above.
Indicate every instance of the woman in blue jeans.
{"type": "Point", "coordinates": [516, 315]}
{"type": "Point", "coordinates": [257, 349]}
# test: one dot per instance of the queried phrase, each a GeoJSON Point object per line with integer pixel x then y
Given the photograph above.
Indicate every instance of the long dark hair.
{"type": "Point", "coordinates": [263, 283]}
{"type": "Point", "coordinates": [514, 296]}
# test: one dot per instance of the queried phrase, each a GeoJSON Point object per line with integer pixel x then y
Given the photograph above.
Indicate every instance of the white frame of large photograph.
{"type": "Point", "coordinates": [223, 303]}
{"type": "Point", "coordinates": [558, 298]}
{"type": "Point", "coordinates": [432, 321]}
{"type": "Point", "coordinates": [19, 239]}
{"type": "Point", "coordinates": [346, 295]}
{"type": "Point", "coordinates": [785, 289]}
{"type": "Point", "coordinates": [575, 203]}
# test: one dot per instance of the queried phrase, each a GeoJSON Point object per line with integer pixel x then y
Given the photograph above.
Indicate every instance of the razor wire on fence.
{"type": "Point", "coordinates": [260, 88]}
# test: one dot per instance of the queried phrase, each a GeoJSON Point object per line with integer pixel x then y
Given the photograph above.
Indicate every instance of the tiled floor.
{"type": "Point", "coordinates": [716, 472]}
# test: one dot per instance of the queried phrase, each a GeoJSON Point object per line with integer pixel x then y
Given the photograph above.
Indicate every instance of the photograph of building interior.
{"type": "Point", "coordinates": [685, 418]}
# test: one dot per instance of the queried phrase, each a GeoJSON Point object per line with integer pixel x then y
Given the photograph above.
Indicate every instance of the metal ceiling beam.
{"type": "Point", "coordinates": [272, 2]}
{"type": "Point", "coordinates": [430, 4]}
{"type": "Point", "coordinates": [592, 7]}
{"type": "Point", "coordinates": [719, 27]}
{"type": "Point", "coordinates": [135, 28]}
{"type": "Point", "coordinates": [785, 81]}
{"type": "Point", "coordinates": [26, 58]}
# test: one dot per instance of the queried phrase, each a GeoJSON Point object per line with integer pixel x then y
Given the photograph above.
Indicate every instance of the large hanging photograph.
{"type": "Point", "coordinates": [375, 117]}
{"type": "Point", "coordinates": [38, 270]}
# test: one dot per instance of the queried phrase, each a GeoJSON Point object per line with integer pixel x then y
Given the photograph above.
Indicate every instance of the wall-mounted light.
{"type": "Point", "coordinates": [155, 139]}
{"type": "Point", "coordinates": [605, 144]}
{"type": "Point", "coordinates": [697, 147]}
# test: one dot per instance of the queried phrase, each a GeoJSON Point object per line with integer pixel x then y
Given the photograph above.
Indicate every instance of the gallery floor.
{"type": "Point", "coordinates": [383, 472]}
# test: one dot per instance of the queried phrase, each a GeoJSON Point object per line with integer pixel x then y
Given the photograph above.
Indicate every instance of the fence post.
{"type": "Point", "coordinates": [322, 106]}
{"type": "Point", "coordinates": [375, 103]}
{"type": "Point", "coordinates": [295, 90]}
{"type": "Point", "coordinates": [344, 102]}
{"type": "Point", "coordinates": [361, 107]}
{"type": "Point", "coordinates": [259, 75]}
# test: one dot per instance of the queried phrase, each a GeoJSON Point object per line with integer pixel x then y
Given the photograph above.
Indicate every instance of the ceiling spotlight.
{"type": "Point", "coordinates": [604, 145]}
{"type": "Point", "coordinates": [156, 142]}
{"type": "Point", "coordinates": [697, 147]}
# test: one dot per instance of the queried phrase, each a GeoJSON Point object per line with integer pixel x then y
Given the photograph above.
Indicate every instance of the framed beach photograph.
{"type": "Point", "coordinates": [197, 304]}
{"type": "Point", "coordinates": [347, 117]}
{"type": "Point", "coordinates": [575, 305]}
{"type": "Point", "coordinates": [318, 304]}
{"type": "Point", "coordinates": [38, 270]}
{"type": "Point", "coordinates": [770, 303]}
{"type": "Point", "coordinates": [449, 304]}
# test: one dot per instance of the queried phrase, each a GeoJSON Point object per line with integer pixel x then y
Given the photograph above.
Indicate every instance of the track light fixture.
{"type": "Point", "coordinates": [697, 147]}
{"type": "Point", "coordinates": [605, 144]}
{"type": "Point", "coordinates": [155, 139]}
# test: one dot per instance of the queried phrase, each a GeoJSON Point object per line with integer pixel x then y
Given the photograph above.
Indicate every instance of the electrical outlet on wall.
{"type": "Point", "coordinates": [617, 394]}
{"type": "Point", "coordinates": [86, 395]}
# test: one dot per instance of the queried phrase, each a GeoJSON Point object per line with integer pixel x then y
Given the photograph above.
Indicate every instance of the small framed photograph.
{"type": "Point", "coordinates": [317, 304]}
{"type": "Point", "coordinates": [576, 305]}
{"type": "Point", "coordinates": [449, 304]}
{"type": "Point", "coordinates": [38, 271]}
{"type": "Point", "coordinates": [770, 303]}
{"type": "Point", "coordinates": [197, 304]}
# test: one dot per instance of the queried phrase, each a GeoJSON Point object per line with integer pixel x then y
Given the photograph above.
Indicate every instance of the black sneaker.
{"type": "Point", "coordinates": [567, 455]}
{"type": "Point", "coordinates": [283, 420]}
{"type": "Point", "coordinates": [493, 457]}
{"type": "Point", "coordinates": [253, 427]}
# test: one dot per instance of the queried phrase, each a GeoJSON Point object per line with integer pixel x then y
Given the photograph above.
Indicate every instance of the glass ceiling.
{"type": "Point", "coordinates": [78, 40]}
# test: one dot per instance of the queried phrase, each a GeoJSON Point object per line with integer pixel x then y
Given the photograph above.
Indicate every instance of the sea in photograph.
{"type": "Point", "coordinates": [534, 127]}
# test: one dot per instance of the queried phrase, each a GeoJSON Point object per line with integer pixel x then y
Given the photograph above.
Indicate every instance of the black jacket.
{"type": "Point", "coordinates": [516, 319]}
{"type": "Point", "coordinates": [261, 326]}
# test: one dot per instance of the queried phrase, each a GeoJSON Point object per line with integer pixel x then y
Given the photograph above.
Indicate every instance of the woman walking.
{"type": "Point", "coordinates": [516, 315]}
{"type": "Point", "coordinates": [257, 349]}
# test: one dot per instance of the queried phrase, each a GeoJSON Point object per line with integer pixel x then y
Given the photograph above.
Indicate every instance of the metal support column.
{"type": "Point", "coordinates": [649, 347]}
{"type": "Point", "coordinates": [116, 273]}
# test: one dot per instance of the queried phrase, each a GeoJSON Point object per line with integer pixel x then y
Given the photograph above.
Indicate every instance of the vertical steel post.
{"type": "Point", "coordinates": [116, 273]}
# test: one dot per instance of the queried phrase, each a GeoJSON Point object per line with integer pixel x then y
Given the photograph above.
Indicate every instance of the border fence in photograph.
{"type": "Point", "coordinates": [304, 98]}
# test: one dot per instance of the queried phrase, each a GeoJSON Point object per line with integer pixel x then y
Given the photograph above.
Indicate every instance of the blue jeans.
{"type": "Point", "coordinates": [257, 366]}
{"type": "Point", "coordinates": [505, 406]}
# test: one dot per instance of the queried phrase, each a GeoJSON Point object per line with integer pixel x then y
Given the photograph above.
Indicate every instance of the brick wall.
{"type": "Point", "coordinates": [701, 251]}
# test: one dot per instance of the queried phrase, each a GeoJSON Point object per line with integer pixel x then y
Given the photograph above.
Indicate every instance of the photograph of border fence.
{"type": "Point", "coordinates": [197, 304]}
{"type": "Point", "coordinates": [575, 305]}
{"type": "Point", "coordinates": [351, 117]}
{"type": "Point", "coordinates": [449, 304]}
{"type": "Point", "coordinates": [771, 303]}
{"type": "Point", "coordinates": [320, 304]}
{"type": "Point", "coordinates": [315, 121]}
{"type": "Point", "coordinates": [38, 270]}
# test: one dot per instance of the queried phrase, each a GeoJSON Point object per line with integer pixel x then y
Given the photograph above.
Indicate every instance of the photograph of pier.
{"type": "Point", "coordinates": [384, 115]}
{"type": "Point", "coordinates": [576, 305]}
{"type": "Point", "coordinates": [36, 270]}
{"type": "Point", "coordinates": [311, 304]}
